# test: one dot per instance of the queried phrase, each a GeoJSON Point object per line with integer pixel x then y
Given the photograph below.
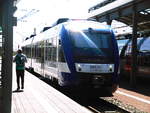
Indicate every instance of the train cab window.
{"type": "Point", "coordinates": [92, 43]}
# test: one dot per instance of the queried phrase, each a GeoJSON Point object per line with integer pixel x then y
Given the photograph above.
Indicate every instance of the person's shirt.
{"type": "Point", "coordinates": [20, 60]}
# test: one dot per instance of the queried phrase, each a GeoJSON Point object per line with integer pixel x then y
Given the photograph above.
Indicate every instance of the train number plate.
{"type": "Point", "coordinates": [95, 68]}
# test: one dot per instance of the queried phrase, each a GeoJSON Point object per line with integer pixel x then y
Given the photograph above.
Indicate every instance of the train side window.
{"type": "Point", "coordinates": [122, 44]}
{"type": "Point", "coordinates": [59, 42]}
{"type": "Point", "coordinates": [33, 51]}
{"type": "Point", "coordinates": [61, 54]}
{"type": "Point", "coordinates": [54, 46]}
{"type": "Point", "coordinates": [36, 51]}
{"type": "Point", "coordinates": [144, 53]}
{"type": "Point", "coordinates": [46, 50]}
{"type": "Point", "coordinates": [52, 51]}
{"type": "Point", "coordinates": [29, 51]}
{"type": "Point", "coordinates": [53, 55]}
{"type": "Point", "coordinates": [128, 49]}
{"type": "Point", "coordinates": [146, 45]}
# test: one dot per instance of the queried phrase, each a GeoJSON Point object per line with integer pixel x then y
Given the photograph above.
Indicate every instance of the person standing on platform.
{"type": "Point", "coordinates": [20, 60]}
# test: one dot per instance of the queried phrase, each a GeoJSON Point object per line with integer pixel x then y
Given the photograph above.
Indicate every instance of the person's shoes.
{"type": "Point", "coordinates": [18, 89]}
{"type": "Point", "coordinates": [22, 87]}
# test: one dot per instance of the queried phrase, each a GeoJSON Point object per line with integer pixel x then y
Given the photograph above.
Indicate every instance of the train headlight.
{"type": "Point", "coordinates": [110, 67]}
{"type": "Point", "coordinates": [79, 67]}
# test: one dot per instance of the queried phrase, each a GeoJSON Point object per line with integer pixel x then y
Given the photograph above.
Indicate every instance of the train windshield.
{"type": "Point", "coordinates": [90, 44]}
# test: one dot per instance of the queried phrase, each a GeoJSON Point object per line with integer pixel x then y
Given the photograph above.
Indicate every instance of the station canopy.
{"type": "Point", "coordinates": [122, 10]}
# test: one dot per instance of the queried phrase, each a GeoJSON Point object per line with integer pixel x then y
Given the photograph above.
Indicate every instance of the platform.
{"type": "Point", "coordinates": [39, 97]}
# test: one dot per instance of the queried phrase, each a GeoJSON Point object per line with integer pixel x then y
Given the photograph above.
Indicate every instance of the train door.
{"type": "Point", "coordinates": [42, 44]}
{"type": "Point", "coordinates": [47, 57]}
{"type": "Point", "coordinates": [54, 56]}
{"type": "Point", "coordinates": [50, 65]}
{"type": "Point", "coordinates": [37, 66]}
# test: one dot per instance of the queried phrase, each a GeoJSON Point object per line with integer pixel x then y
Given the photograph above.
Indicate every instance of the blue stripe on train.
{"type": "Point", "coordinates": [66, 45]}
{"type": "Point", "coordinates": [116, 58]}
{"type": "Point", "coordinates": [66, 79]}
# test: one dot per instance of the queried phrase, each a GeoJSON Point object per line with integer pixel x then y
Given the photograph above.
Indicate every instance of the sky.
{"type": "Point", "coordinates": [37, 14]}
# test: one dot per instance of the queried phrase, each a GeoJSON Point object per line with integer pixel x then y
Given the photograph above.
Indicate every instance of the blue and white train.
{"type": "Point", "coordinates": [76, 52]}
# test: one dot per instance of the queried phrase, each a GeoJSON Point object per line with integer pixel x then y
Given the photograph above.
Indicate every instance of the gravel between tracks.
{"type": "Point", "coordinates": [120, 104]}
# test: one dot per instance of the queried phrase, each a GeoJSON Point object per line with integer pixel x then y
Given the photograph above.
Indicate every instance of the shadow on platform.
{"type": "Point", "coordinates": [17, 91]}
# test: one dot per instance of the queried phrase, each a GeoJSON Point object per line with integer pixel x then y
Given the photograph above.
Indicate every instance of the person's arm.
{"type": "Point", "coordinates": [25, 58]}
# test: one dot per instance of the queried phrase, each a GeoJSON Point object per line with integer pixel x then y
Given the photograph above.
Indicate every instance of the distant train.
{"type": "Point", "coordinates": [143, 57]}
{"type": "Point", "coordinates": [75, 52]}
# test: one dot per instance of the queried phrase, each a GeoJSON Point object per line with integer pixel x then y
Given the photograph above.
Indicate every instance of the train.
{"type": "Point", "coordinates": [75, 53]}
{"type": "Point", "coordinates": [143, 57]}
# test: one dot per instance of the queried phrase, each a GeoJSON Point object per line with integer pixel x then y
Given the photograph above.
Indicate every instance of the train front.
{"type": "Point", "coordinates": [91, 53]}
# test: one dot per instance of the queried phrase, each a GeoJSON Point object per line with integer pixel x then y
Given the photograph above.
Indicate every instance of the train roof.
{"type": "Point", "coordinates": [86, 24]}
{"type": "Point", "coordinates": [73, 25]}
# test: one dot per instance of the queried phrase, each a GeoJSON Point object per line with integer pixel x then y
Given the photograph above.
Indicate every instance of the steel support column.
{"type": "Point", "coordinates": [7, 34]}
{"type": "Point", "coordinates": [134, 49]}
{"type": "Point", "coordinates": [109, 21]}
